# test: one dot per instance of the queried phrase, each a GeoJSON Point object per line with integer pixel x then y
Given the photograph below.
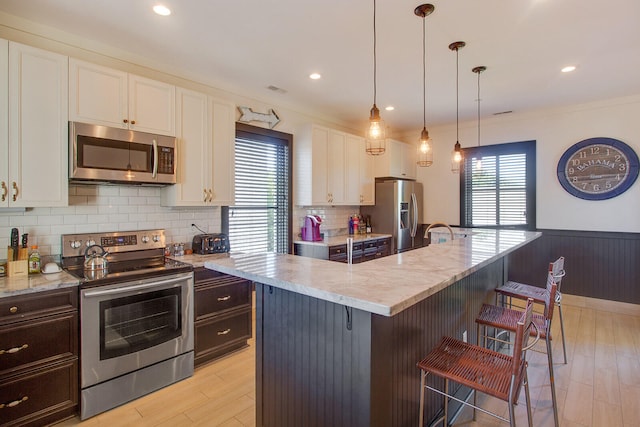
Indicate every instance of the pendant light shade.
{"type": "Point", "coordinates": [479, 70]}
{"type": "Point", "coordinates": [456, 155]}
{"type": "Point", "coordinates": [375, 135]}
{"type": "Point", "coordinates": [425, 147]}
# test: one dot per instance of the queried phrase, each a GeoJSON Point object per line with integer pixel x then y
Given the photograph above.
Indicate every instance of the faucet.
{"type": "Point", "coordinates": [436, 225]}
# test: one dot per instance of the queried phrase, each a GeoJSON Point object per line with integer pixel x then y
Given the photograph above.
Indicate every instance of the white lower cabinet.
{"type": "Point", "coordinates": [206, 157]}
{"type": "Point", "coordinates": [34, 141]}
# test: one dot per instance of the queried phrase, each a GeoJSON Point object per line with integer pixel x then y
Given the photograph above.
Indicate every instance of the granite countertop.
{"type": "Point", "coordinates": [198, 260]}
{"type": "Point", "coordinates": [342, 240]}
{"type": "Point", "coordinates": [384, 286]}
{"type": "Point", "coordinates": [13, 286]}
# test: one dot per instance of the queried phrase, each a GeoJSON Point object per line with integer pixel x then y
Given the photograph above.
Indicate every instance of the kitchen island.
{"type": "Point", "coordinates": [337, 344]}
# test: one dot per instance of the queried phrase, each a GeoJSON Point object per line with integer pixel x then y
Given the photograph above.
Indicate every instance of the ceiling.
{"type": "Point", "coordinates": [245, 46]}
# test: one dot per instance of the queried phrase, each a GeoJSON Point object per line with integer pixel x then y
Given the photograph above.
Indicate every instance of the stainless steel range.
{"type": "Point", "coordinates": [136, 316]}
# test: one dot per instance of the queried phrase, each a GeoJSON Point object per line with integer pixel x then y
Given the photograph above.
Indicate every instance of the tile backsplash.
{"type": "Point", "coordinates": [335, 219]}
{"type": "Point", "coordinates": [94, 208]}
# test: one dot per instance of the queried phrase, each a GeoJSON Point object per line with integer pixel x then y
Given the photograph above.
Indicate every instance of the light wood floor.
{"type": "Point", "coordinates": [600, 386]}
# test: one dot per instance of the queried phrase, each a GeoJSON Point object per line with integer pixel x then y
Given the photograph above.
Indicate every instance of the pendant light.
{"type": "Point", "coordinates": [375, 136]}
{"type": "Point", "coordinates": [456, 155]}
{"type": "Point", "coordinates": [479, 70]}
{"type": "Point", "coordinates": [425, 148]}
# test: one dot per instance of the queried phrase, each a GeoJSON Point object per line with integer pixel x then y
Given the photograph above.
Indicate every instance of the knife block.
{"type": "Point", "coordinates": [19, 267]}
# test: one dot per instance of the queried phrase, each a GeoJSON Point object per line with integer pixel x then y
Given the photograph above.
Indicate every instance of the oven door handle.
{"type": "Point", "coordinates": [142, 286]}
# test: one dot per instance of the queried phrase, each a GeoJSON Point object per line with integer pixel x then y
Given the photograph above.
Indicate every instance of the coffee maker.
{"type": "Point", "coordinates": [311, 229]}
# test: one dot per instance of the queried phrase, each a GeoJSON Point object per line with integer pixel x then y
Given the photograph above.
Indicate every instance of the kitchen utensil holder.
{"type": "Point", "coordinates": [20, 267]}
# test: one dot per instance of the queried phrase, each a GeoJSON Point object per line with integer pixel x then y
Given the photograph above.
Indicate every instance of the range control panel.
{"type": "Point", "coordinates": [125, 241]}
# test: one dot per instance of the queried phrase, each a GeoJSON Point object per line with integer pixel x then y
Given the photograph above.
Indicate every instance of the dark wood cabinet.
{"type": "Point", "coordinates": [39, 357]}
{"type": "Point", "coordinates": [362, 251]}
{"type": "Point", "coordinates": [223, 313]}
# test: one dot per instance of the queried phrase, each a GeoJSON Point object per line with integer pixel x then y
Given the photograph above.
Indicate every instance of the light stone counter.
{"type": "Point", "coordinates": [384, 286]}
{"type": "Point", "coordinates": [198, 260]}
{"type": "Point", "coordinates": [12, 286]}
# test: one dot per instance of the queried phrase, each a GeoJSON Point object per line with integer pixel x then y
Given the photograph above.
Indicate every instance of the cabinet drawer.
{"type": "Point", "coordinates": [370, 244]}
{"type": "Point", "coordinates": [217, 296]}
{"type": "Point", "coordinates": [25, 307]}
{"type": "Point", "coordinates": [27, 344]}
{"type": "Point", "coordinates": [217, 336]}
{"type": "Point", "coordinates": [41, 396]}
{"type": "Point", "coordinates": [202, 274]}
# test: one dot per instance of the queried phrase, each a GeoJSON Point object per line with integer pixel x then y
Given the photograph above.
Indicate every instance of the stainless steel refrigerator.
{"type": "Point", "coordinates": [398, 211]}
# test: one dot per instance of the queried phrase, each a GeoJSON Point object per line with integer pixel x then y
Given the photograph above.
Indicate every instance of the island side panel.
{"type": "Point", "coordinates": [412, 333]}
{"type": "Point", "coordinates": [311, 370]}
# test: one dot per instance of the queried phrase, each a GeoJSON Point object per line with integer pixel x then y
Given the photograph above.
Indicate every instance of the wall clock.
{"type": "Point", "coordinates": [598, 168]}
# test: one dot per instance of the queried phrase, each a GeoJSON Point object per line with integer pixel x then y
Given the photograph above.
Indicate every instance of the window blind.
{"type": "Point", "coordinates": [259, 220]}
{"type": "Point", "coordinates": [498, 186]}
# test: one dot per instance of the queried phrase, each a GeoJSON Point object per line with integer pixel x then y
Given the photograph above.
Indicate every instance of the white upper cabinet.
{"type": "Point", "coordinates": [35, 160]}
{"type": "Point", "coordinates": [336, 167]}
{"type": "Point", "coordinates": [223, 163]}
{"type": "Point", "coordinates": [206, 156]}
{"type": "Point", "coordinates": [353, 155]}
{"type": "Point", "coordinates": [367, 176]}
{"type": "Point", "coordinates": [398, 161]}
{"type": "Point", "coordinates": [193, 146]}
{"type": "Point", "coordinates": [108, 97]}
{"type": "Point", "coordinates": [330, 168]}
{"type": "Point", "coordinates": [5, 194]}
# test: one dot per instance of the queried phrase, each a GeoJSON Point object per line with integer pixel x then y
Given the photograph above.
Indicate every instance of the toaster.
{"type": "Point", "coordinates": [204, 244]}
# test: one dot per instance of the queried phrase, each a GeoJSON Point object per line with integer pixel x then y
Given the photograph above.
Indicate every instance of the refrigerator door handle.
{"type": "Point", "coordinates": [414, 223]}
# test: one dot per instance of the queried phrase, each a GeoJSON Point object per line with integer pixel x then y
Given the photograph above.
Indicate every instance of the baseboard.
{"type": "Point", "coordinates": [601, 304]}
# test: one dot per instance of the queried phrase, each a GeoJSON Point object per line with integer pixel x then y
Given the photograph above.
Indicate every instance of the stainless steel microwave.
{"type": "Point", "coordinates": [111, 155]}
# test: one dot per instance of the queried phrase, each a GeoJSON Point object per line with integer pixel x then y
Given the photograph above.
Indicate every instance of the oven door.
{"type": "Point", "coordinates": [127, 326]}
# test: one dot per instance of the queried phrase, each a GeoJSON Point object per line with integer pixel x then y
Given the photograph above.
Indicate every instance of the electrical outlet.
{"type": "Point", "coordinates": [464, 336]}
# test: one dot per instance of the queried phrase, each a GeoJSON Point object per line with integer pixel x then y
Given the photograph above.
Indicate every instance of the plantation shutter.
{"type": "Point", "coordinates": [498, 186]}
{"type": "Point", "coordinates": [258, 222]}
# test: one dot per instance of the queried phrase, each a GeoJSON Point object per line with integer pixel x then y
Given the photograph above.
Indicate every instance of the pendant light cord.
{"type": "Point", "coordinates": [374, 54]}
{"type": "Point", "coordinates": [479, 108]}
{"type": "Point", "coordinates": [424, 73]}
{"type": "Point", "coordinates": [457, 96]}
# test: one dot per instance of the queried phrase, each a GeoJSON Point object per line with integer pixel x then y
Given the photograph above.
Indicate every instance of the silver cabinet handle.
{"type": "Point", "coordinates": [14, 349]}
{"type": "Point", "coordinates": [143, 286]}
{"type": "Point", "coordinates": [225, 332]}
{"type": "Point", "coordinates": [224, 298]}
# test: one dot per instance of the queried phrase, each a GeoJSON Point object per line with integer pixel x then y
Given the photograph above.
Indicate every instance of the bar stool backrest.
{"type": "Point", "coordinates": [523, 331]}
{"type": "Point", "coordinates": [558, 271]}
{"type": "Point", "coordinates": [550, 294]}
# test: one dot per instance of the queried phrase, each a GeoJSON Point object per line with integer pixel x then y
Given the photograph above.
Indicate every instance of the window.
{"type": "Point", "coordinates": [261, 217]}
{"type": "Point", "coordinates": [499, 190]}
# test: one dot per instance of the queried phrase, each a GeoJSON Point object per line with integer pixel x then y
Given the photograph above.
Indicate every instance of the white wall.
{"type": "Point", "coordinates": [555, 130]}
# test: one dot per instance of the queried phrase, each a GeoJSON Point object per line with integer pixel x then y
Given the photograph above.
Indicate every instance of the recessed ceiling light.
{"type": "Point", "coordinates": [568, 69]}
{"type": "Point", "coordinates": [389, 108]}
{"type": "Point", "coordinates": [162, 10]}
{"type": "Point", "coordinates": [315, 76]}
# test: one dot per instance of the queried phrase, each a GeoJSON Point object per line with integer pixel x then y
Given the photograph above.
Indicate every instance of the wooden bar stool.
{"type": "Point", "coordinates": [483, 370]}
{"type": "Point", "coordinates": [523, 291]}
{"type": "Point", "coordinates": [506, 319]}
